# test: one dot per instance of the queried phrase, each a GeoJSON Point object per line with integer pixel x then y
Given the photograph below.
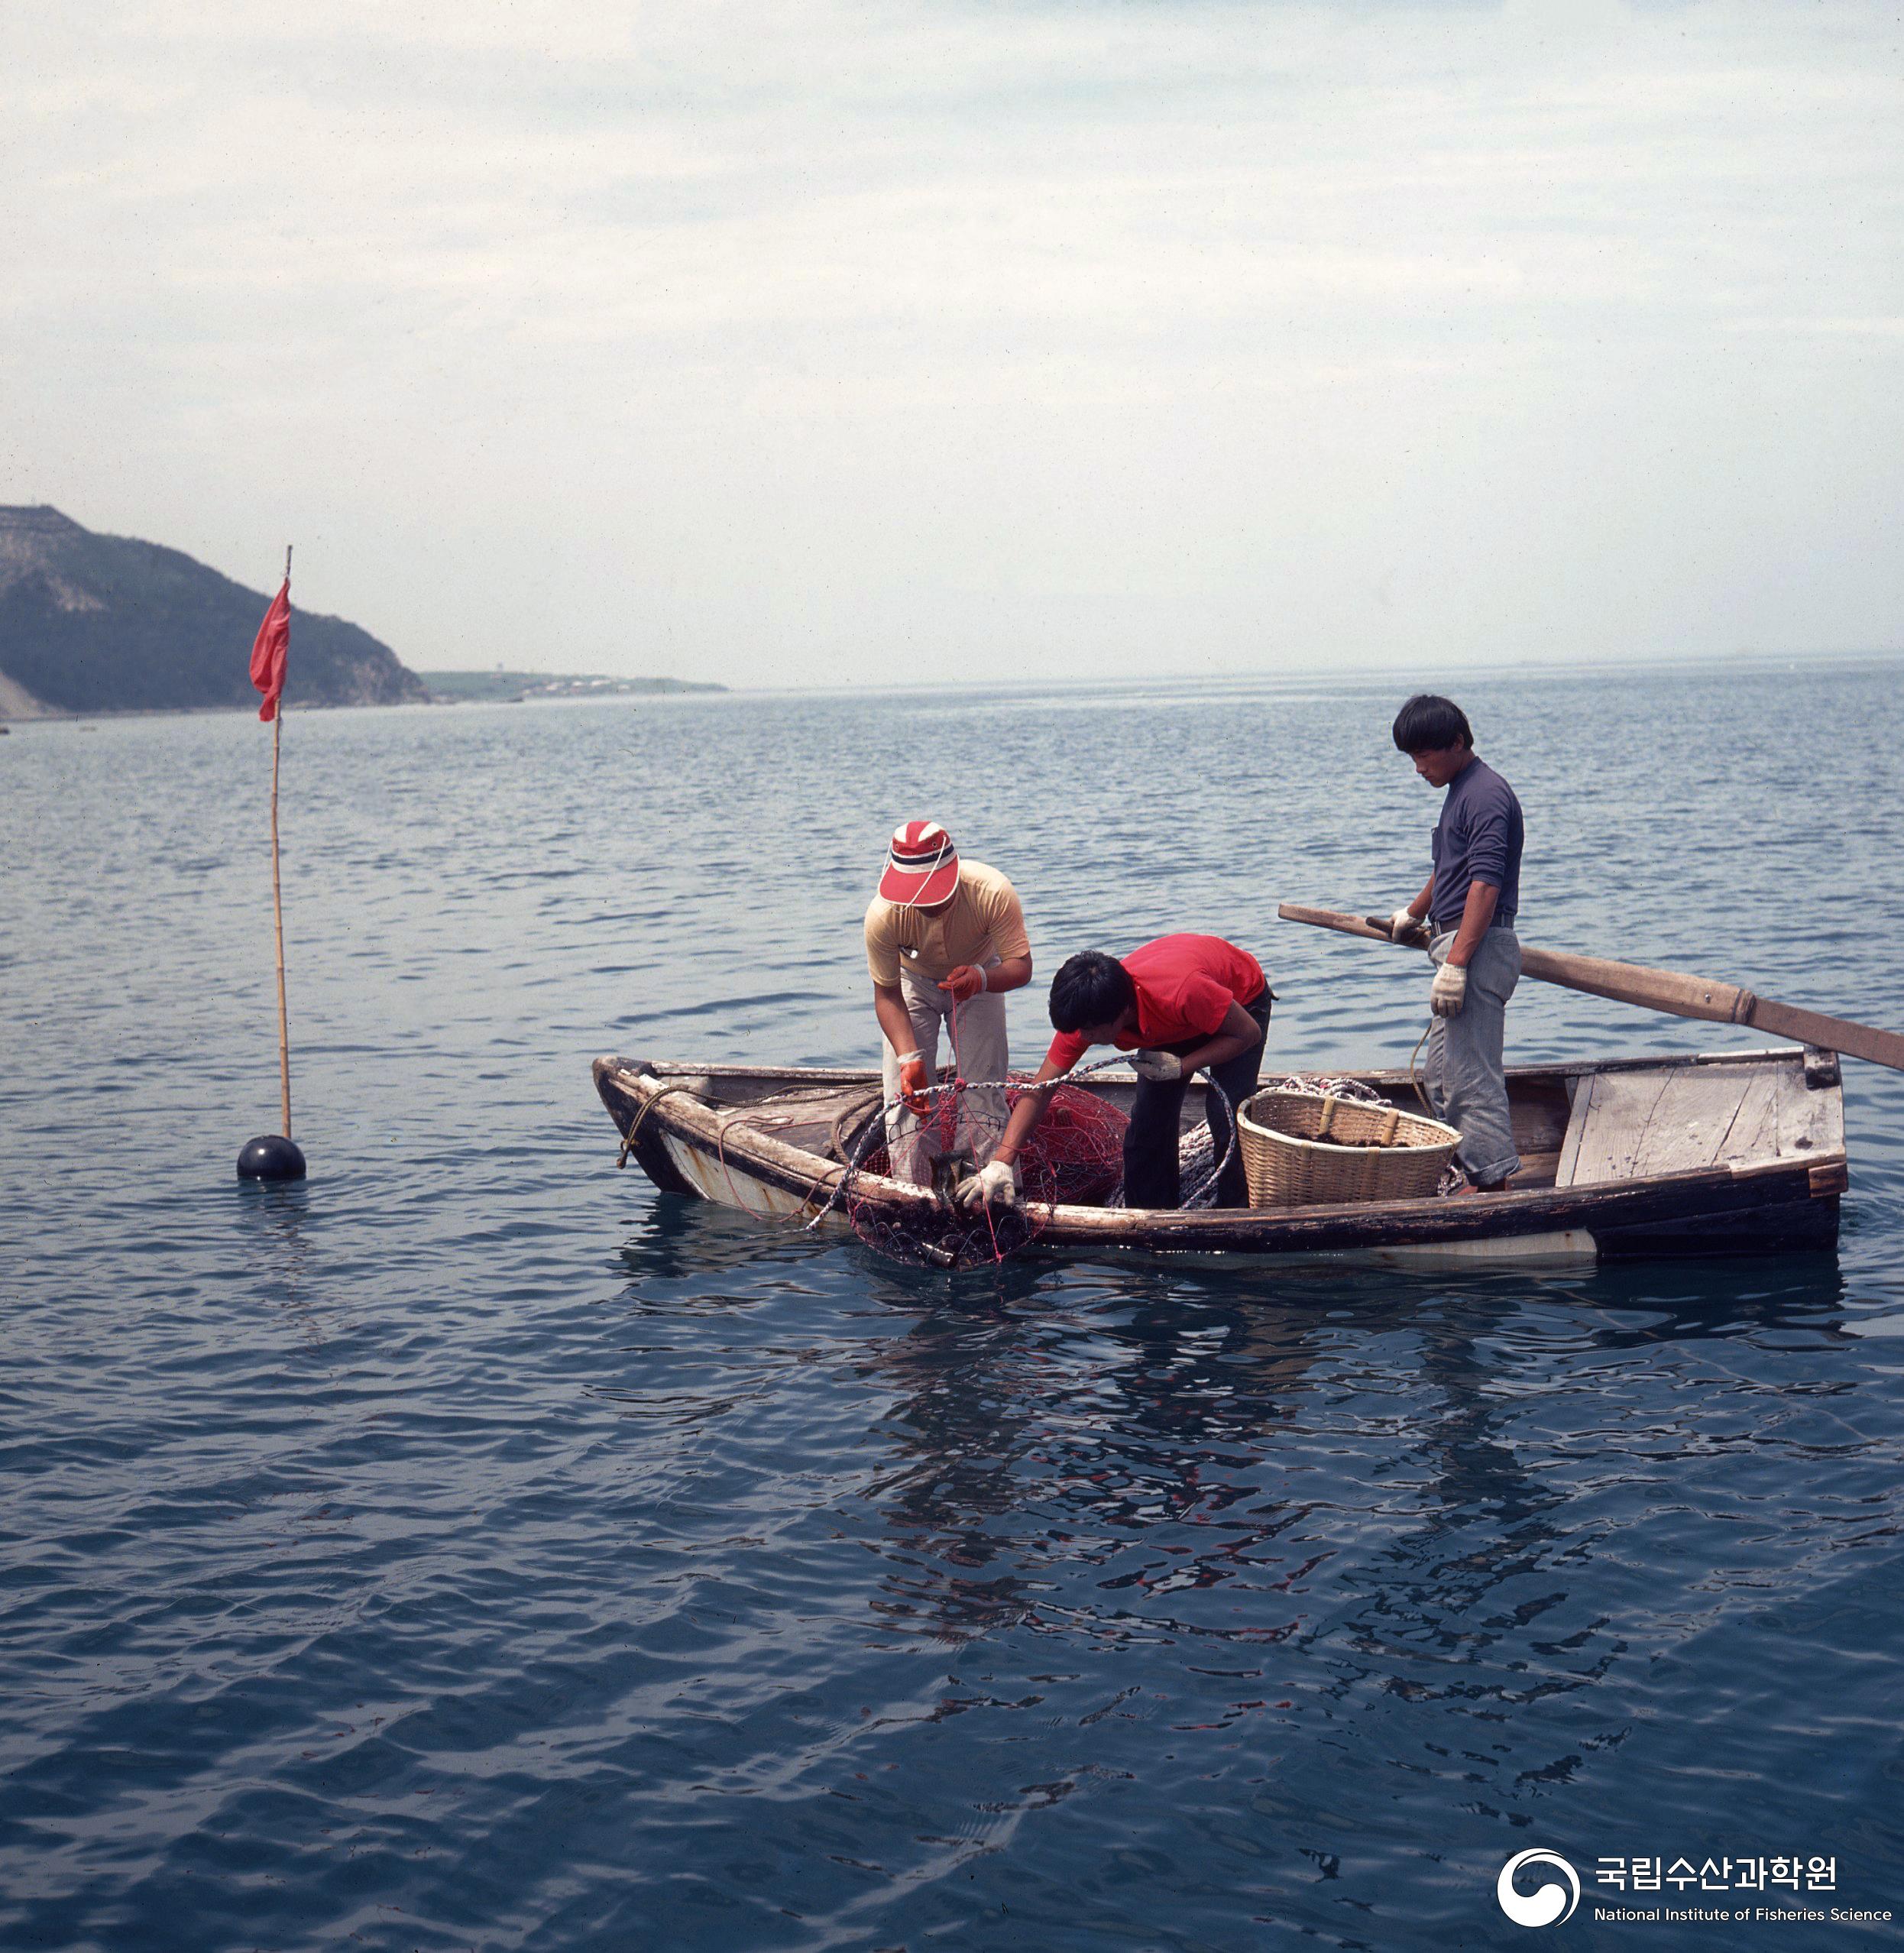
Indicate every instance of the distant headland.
{"type": "Point", "coordinates": [106, 623]}
{"type": "Point", "coordinates": [91, 623]}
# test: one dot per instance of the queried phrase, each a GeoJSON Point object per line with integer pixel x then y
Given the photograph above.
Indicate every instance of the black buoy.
{"type": "Point", "coordinates": [270, 1156]}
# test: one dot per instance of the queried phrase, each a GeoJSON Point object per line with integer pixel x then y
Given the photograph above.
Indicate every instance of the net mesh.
{"type": "Point", "coordinates": [1075, 1157]}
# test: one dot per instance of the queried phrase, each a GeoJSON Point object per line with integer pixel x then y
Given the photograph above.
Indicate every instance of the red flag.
{"type": "Point", "coordinates": [271, 650]}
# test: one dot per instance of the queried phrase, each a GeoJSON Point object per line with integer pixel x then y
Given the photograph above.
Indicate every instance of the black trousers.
{"type": "Point", "coordinates": [1150, 1177]}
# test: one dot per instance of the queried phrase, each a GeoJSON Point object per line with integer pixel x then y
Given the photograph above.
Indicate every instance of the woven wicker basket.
{"type": "Point", "coordinates": [1290, 1162]}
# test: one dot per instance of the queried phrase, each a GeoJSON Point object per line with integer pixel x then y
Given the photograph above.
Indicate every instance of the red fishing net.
{"type": "Point", "coordinates": [1077, 1154]}
{"type": "Point", "coordinates": [1075, 1157]}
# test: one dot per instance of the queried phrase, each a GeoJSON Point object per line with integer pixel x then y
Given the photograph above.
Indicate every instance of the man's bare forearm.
{"type": "Point", "coordinates": [889, 1007]}
{"type": "Point", "coordinates": [1025, 1115]}
{"type": "Point", "coordinates": [1476, 913]}
{"type": "Point", "coordinates": [1240, 1032]}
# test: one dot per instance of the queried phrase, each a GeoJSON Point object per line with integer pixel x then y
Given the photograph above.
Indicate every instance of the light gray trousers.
{"type": "Point", "coordinates": [1466, 1075]}
{"type": "Point", "coordinates": [975, 1037]}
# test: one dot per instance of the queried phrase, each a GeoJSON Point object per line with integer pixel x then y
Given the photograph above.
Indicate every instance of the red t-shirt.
{"type": "Point", "coordinates": [1185, 987]}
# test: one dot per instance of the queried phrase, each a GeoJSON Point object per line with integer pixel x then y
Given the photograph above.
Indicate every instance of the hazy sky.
{"type": "Point", "coordinates": [804, 343]}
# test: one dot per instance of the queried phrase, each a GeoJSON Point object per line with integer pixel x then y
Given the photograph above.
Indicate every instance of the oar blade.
{"type": "Point", "coordinates": [1832, 1034]}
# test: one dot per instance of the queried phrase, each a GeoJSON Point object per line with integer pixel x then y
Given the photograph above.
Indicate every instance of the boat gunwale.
{"type": "Point", "coordinates": [1555, 1069]}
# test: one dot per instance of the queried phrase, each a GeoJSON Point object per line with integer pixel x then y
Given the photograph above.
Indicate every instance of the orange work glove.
{"type": "Point", "coordinates": [963, 983]}
{"type": "Point", "coordinates": [915, 1082]}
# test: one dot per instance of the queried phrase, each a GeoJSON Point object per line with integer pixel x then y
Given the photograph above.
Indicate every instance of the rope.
{"type": "Point", "coordinates": [1204, 1194]}
{"type": "Point", "coordinates": [1414, 1079]}
{"type": "Point", "coordinates": [635, 1125]}
{"type": "Point", "coordinates": [872, 1101]}
{"type": "Point", "coordinates": [840, 1185]}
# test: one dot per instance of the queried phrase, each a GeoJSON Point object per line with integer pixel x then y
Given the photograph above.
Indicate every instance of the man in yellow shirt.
{"type": "Point", "coordinates": [945, 939]}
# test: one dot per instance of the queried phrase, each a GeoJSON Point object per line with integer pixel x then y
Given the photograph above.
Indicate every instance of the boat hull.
{"type": "Point", "coordinates": [748, 1139]}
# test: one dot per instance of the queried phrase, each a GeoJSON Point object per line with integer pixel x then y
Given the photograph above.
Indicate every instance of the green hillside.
{"type": "Point", "coordinates": [103, 624]}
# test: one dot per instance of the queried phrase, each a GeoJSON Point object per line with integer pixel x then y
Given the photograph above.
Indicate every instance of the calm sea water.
{"type": "Point", "coordinates": [473, 1548]}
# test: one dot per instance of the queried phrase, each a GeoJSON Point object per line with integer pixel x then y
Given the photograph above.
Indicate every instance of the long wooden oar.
{"type": "Point", "coordinates": [1668, 990]}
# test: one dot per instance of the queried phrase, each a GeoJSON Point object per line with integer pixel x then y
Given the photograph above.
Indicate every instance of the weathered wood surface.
{"type": "Point", "coordinates": [1632, 1125]}
{"type": "Point", "coordinates": [1678, 994]}
{"type": "Point", "coordinates": [826, 1119]}
{"type": "Point", "coordinates": [1832, 1033]}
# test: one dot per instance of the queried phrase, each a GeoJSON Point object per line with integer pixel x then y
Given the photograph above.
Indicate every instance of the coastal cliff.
{"type": "Point", "coordinates": [107, 623]}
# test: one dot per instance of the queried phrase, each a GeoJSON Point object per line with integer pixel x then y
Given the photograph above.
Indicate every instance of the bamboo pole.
{"type": "Point", "coordinates": [277, 906]}
{"type": "Point", "coordinates": [1709, 999]}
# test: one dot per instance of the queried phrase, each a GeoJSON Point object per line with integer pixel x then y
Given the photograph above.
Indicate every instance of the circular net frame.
{"type": "Point", "coordinates": [1076, 1156]}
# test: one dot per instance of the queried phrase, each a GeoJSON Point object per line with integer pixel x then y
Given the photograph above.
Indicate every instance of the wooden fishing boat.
{"type": "Point", "coordinates": [1729, 1153]}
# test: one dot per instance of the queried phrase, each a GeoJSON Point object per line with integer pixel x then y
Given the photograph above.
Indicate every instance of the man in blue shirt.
{"type": "Point", "coordinates": [1468, 904]}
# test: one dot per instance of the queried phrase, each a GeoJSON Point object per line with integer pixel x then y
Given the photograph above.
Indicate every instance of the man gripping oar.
{"type": "Point", "coordinates": [1468, 903]}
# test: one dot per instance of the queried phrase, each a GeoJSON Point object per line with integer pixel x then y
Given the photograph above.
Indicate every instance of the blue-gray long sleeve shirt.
{"type": "Point", "coordinates": [1478, 839]}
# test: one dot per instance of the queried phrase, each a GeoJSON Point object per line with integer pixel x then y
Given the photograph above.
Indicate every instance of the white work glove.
{"type": "Point", "coordinates": [1405, 926]}
{"type": "Point", "coordinates": [1448, 994]}
{"type": "Point", "coordinates": [992, 1185]}
{"type": "Point", "coordinates": [1164, 1067]}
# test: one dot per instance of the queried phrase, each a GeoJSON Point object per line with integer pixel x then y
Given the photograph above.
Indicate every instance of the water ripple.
{"type": "Point", "coordinates": [471, 1547]}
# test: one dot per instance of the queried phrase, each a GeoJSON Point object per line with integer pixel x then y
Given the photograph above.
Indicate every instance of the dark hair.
{"type": "Point", "coordinates": [1090, 988]}
{"type": "Point", "coordinates": [1428, 722]}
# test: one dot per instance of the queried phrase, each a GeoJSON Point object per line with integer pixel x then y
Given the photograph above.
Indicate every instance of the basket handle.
{"type": "Point", "coordinates": [1329, 1104]}
{"type": "Point", "coordinates": [1389, 1124]}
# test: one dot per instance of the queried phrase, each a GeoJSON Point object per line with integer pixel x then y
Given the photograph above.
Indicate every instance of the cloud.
{"type": "Point", "coordinates": [782, 343]}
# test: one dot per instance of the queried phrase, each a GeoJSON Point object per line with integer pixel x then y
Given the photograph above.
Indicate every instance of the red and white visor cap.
{"type": "Point", "coordinates": [922, 866]}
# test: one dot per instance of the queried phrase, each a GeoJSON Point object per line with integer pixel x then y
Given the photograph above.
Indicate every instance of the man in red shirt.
{"type": "Point", "coordinates": [1184, 1004]}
